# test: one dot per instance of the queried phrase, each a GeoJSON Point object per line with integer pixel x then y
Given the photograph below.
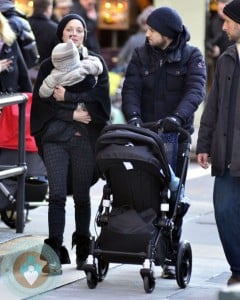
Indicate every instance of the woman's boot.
{"type": "Point", "coordinates": [82, 249]}
{"type": "Point", "coordinates": [55, 254]}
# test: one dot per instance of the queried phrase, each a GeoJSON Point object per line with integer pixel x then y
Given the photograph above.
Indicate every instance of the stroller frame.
{"type": "Point", "coordinates": [35, 186]}
{"type": "Point", "coordinates": [155, 252]}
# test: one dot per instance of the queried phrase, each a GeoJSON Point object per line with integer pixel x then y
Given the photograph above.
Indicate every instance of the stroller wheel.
{"type": "Point", "coordinates": [91, 280]}
{"type": "Point", "coordinates": [149, 284]}
{"type": "Point", "coordinates": [9, 218]}
{"type": "Point", "coordinates": [102, 269]}
{"type": "Point", "coordinates": [184, 264]}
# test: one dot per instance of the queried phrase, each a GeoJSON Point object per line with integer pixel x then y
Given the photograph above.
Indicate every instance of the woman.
{"type": "Point", "coordinates": [70, 144]}
{"type": "Point", "coordinates": [13, 71]}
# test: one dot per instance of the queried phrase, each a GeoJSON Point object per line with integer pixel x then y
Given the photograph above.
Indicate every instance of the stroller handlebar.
{"type": "Point", "coordinates": [157, 126]}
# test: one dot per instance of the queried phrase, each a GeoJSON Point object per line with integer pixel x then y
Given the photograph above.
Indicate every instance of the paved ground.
{"type": "Point", "coordinates": [209, 275]}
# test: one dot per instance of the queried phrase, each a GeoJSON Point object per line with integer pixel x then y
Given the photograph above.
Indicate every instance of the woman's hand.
{"type": "Point", "coordinates": [80, 115]}
{"type": "Point", "coordinates": [59, 92]}
{"type": "Point", "coordinates": [5, 64]}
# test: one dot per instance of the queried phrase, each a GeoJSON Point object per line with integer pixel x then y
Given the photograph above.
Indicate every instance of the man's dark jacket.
{"type": "Point", "coordinates": [92, 40]}
{"type": "Point", "coordinates": [44, 30]}
{"type": "Point", "coordinates": [165, 83]}
{"type": "Point", "coordinates": [213, 131]}
{"type": "Point", "coordinates": [215, 36]}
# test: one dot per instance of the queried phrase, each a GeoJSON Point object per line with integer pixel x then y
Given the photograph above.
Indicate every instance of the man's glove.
{"type": "Point", "coordinates": [170, 124]}
{"type": "Point", "coordinates": [135, 121]}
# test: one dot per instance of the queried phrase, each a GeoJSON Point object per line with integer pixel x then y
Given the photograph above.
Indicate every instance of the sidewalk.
{"type": "Point", "coordinates": [209, 275]}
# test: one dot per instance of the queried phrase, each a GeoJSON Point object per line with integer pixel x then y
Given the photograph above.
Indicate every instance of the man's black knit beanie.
{"type": "Point", "coordinates": [166, 21]}
{"type": "Point", "coordinates": [232, 10]}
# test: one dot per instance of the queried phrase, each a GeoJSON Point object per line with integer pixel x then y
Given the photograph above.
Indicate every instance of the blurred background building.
{"type": "Point", "coordinates": [117, 20]}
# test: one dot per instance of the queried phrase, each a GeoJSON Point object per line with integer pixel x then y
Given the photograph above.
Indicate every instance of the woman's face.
{"type": "Point", "coordinates": [74, 30]}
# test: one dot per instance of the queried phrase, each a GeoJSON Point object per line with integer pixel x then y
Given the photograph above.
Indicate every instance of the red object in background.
{"type": "Point", "coordinates": [9, 127]}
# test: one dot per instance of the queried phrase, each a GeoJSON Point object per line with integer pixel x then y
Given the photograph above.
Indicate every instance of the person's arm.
{"type": "Point", "coordinates": [208, 34]}
{"type": "Point", "coordinates": [194, 90]}
{"type": "Point", "coordinates": [97, 99]}
{"type": "Point", "coordinates": [43, 109]}
{"type": "Point", "coordinates": [23, 78]}
{"type": "Point", "coordinates": [132, 89]}
{"type": "Point", "coordinates": [78, 115]}
{"type": "Point", "coordinates": [207, 124]}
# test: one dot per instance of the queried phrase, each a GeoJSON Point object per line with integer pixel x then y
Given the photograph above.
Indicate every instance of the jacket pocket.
{"type": "Point", "coordinates": [176, 78]}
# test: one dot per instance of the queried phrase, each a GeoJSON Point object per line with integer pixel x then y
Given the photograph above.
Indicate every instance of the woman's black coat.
{"type": "Point", "coordinates": [96, 100]}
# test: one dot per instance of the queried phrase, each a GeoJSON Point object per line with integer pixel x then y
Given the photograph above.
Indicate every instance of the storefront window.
{"type": "Point", "coordinates": [114, 14]}
{"type": "Point", "coordinates": [25, 6]}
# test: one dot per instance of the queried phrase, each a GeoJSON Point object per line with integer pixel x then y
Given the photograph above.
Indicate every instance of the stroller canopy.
{"type": "Point", "coordinates": [132, 146]}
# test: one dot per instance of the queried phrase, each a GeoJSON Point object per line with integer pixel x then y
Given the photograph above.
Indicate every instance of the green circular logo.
{"type": "Point", "coordinates": [21, 268]}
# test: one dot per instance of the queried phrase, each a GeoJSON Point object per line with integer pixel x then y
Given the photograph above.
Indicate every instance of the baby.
{"type": "Point", "coordinates": [68, 68]}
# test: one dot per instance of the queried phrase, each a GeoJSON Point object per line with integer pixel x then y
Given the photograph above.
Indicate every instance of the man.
{"type": "Point", "coordinates": [43, 27]}
{"type": "Point", "coordinates": [87, 10]}
{"type": "Point", "coordinates": [219, 139]}
{"type": "Point", "coordinates": [61, 9]}
{"type": "Point", "coordinates": [165, 79]}
{"type": "Point", "coordinates": [216, 40]}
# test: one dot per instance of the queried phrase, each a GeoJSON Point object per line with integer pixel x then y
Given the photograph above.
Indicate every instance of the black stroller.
{"type": "Point", "coordinates": [138, 211]}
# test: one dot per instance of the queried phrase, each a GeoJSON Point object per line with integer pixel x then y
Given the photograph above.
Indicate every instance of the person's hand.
{"type": "Point", "coordinates": [81, 115]}
{"type": "Point", "coordinates": [216, 51]}
{"type": "Point", "coordinates": [170, 124]}
{"type": "Point", "coordinates": [135, 121]}
{"type": "Point", "coordinates": [59, 92]}
{"type": "Point", "coordinates": [5, 64]}
{"type": "Point", "coordinates": [92, 14]}
{"type": "Point", "coordinates": [202, 159]}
